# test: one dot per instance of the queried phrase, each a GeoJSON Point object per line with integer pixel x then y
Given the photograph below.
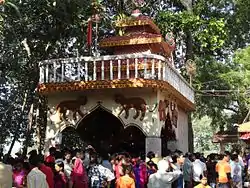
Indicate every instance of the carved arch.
{"type": "Point", "coordinates": [137, 126]}
{"type": "Point", "coordinates": [95, 108]}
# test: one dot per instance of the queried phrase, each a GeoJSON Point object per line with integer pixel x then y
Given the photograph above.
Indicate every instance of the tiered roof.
{"type": "Point", "coordinates": [139, 31]}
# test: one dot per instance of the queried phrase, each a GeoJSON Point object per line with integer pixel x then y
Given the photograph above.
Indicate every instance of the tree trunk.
{"type": "Point", "coordinates": [190, 134]}
{"type": "Point", "coordinates": [42, 122]}
{"type": "Point", "coordinates": [189, 45]}
{"type": "Point", "coordinates": [29, 127]}
{"type": "Point", "coordinates": [19, 122]}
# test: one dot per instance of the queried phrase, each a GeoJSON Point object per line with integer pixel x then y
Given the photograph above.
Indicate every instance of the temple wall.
{"type": "Point", "coordinates": [178, 138]}
{"type": "Point", "coordinates": [105, 99]}
{"type": "Point", "coordinates": [151, 125]}
{"type": "Point", "coordinates": [182, 131]}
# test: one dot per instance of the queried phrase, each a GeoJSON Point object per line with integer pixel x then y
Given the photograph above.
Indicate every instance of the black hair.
{"type": "Point", "coordinates": [212, 156]}
{"type": "Point", "coordinates": [225, 154]}
{"type": "Point", "coordinates": [150, 155]}
{"type": "Point", "coordinates": [189, 155]}
{"type": "Point", "coordinates": [176, 155]}
{"type": "Point", "coordinates": [34, 160]}
{"type": "Point", "coordinates": [52, 150]}
{"type": "Point", "coordinates": [127, 169]}
{"type": "Point", "coordinates": [58, 155]}
{"type": "Point", "coordinates": [73, 161]}
{"type": "Point", "coordinates": [60, 164]}
{"type": "Point", "coordinates": [67, 153]}
{"type": "Point", "coordinates": [99, 160]}
{"type": "Point", "coordinates": [197, 156]}
{"type": "Point", "coordinates": [234, 157]}
{"type": "Point", "coordinates": [93, 158]}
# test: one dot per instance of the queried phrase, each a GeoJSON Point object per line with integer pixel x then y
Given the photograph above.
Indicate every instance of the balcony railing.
{"type": "Point", "coordinates": [146, 66]}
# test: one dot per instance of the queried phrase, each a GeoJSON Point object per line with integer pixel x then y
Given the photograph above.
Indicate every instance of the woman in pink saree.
{"type": "Point", "coordinates": [79, 176]}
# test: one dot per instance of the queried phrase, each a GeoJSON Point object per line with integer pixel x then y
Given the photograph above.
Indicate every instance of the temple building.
{"type": "Point", "coordinates": [133, 99]}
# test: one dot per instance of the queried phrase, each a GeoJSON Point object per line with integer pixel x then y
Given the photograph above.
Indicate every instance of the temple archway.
{"type": "Point", "coordinates": [106, 133]}
{"type": "Point", "coordinates": [132, 139]}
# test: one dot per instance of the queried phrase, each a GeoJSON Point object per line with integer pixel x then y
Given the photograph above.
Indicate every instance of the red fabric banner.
{"type": "Point", "coordinates": [89, 33]}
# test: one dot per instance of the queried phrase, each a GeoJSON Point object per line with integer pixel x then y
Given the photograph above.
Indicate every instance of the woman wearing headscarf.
{"type": "Point", "coordinates": [79, 176]}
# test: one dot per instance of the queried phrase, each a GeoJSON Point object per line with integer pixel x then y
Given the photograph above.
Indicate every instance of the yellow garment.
{"type": "Point", "coordinates": [202, 186]}
{"type": "Point", "coordinates": [125, 182]}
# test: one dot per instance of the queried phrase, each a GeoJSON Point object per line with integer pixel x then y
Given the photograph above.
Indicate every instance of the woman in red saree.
{"type": "Point", "coordinates": [79, 176]}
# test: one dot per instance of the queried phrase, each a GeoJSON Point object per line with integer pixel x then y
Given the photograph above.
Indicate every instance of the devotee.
{"type": "Point", "coordinates": [106, 171]}
{"type": "Point", "coordinates": [199, 169]}
{"type": "Point", "coordinates": [163, 178]}
{"type": "Point", "coordinates": [5, 175]}
{"type": "Point", "coordinates": [211, 173]}
{"type": "Point", "coordinates": [35, 178]}
{"type": "Point", "coordinates": [48, 172]}
{"type": "Point", "coordinates": [126, 181]}
{"type": "Point", "coordinates": [188, 170]}
{"type": "Point", "coordinates": [19, 174]}
{"type": "Point", "coordinates": [67, 165]}
{"type": "Point", "coordinates": [203, 183]}
{"type": "Point", "coordinates": [178, 160]}
{"type": "Point", "coordinates": [236, 171]}
{"type": "Point", "coordinates": [50, 159]}
{"type": "Point", "coordinates": [106, 163]}
{"type": "Point", "coordinates": [60, 177]}
{"type": "Point", "coordinates": [223, 171]}
{"type": "Point", "coordinates": [140, 172]}
{"type": "Point", "coordinates": [79, 177]}
{"type": "Point", "coordinates": [151, 166]}
{"type": "Point", "coordinates": [97, 176]}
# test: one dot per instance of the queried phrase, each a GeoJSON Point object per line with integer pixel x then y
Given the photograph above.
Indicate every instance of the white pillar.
{"type": "Point", "coordinates": [153, 144]}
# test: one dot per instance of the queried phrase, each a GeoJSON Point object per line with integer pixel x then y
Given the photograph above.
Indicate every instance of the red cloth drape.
{"type": "Point", "coordinates": [89, 33]}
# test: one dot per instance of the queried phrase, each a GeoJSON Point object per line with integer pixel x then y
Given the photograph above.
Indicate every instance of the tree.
{"type": "Point", "coordinates": [203, 139]}
{"type": "Point", "coordinates": [44, 30]}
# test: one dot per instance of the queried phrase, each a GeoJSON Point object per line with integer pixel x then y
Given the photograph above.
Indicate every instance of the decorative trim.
{"type": "Point", "coordinates": [109, 42]}
{"type": "Point", "coordinates": [154, 137]}
{"type": "Point", "coordinates": [95, 108]}
{"type": "Point", "coordinates": [137, 126]}
{"type": "Point", "coordinates": [141, 21]}
{"type": "Point", "coordinates": [125, 126]}
{"type": "Point", "coordinates": [49, 88]}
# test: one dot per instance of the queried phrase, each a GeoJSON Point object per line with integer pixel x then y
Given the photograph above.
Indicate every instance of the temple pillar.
{"type": "Point", "coordinates": [153, 143]}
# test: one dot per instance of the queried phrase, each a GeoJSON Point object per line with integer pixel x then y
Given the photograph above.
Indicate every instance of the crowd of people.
{"type": "Point", "coordinates": [87, 169]}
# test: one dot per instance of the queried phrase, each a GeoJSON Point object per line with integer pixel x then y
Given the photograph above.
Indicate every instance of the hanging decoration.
{"type": "Point", "coordinates": [89, 33]}
{"type": "Point", "coordinates": [139, 3]}
{"type": "Point", "coordinates": [191, 69]}
{"type": "Point", "coordinates": [170, 40]}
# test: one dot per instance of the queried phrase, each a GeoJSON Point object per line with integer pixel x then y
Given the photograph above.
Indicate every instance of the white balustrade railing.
{"type": "Point", "coordinates": [146, 66]}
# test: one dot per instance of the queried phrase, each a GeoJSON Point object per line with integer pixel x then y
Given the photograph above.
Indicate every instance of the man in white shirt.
{"type": "Point", "coordinates": [5, 175]}
{"type": "Point", "coordinates": [36, 179]}
{"type": "Point", "coordinates": [163, 178]}
{"type": "Point", "coordinates": [236, 171]}
{"type": "Point", "coordinates": [199, 169]}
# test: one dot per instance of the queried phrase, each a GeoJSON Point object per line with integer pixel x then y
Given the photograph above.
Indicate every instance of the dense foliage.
{"type": "Point", "coordinates": [206, 31]}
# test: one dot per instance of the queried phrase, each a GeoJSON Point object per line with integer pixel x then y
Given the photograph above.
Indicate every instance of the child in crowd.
{"type": "Point", "coordinates": [203, 183]}
{"type": "Point", "coordinates": [126, 181]}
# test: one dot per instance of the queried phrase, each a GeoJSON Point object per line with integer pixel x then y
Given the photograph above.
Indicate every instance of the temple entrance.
{"type": "Point", "coordinates": [106, 133]}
